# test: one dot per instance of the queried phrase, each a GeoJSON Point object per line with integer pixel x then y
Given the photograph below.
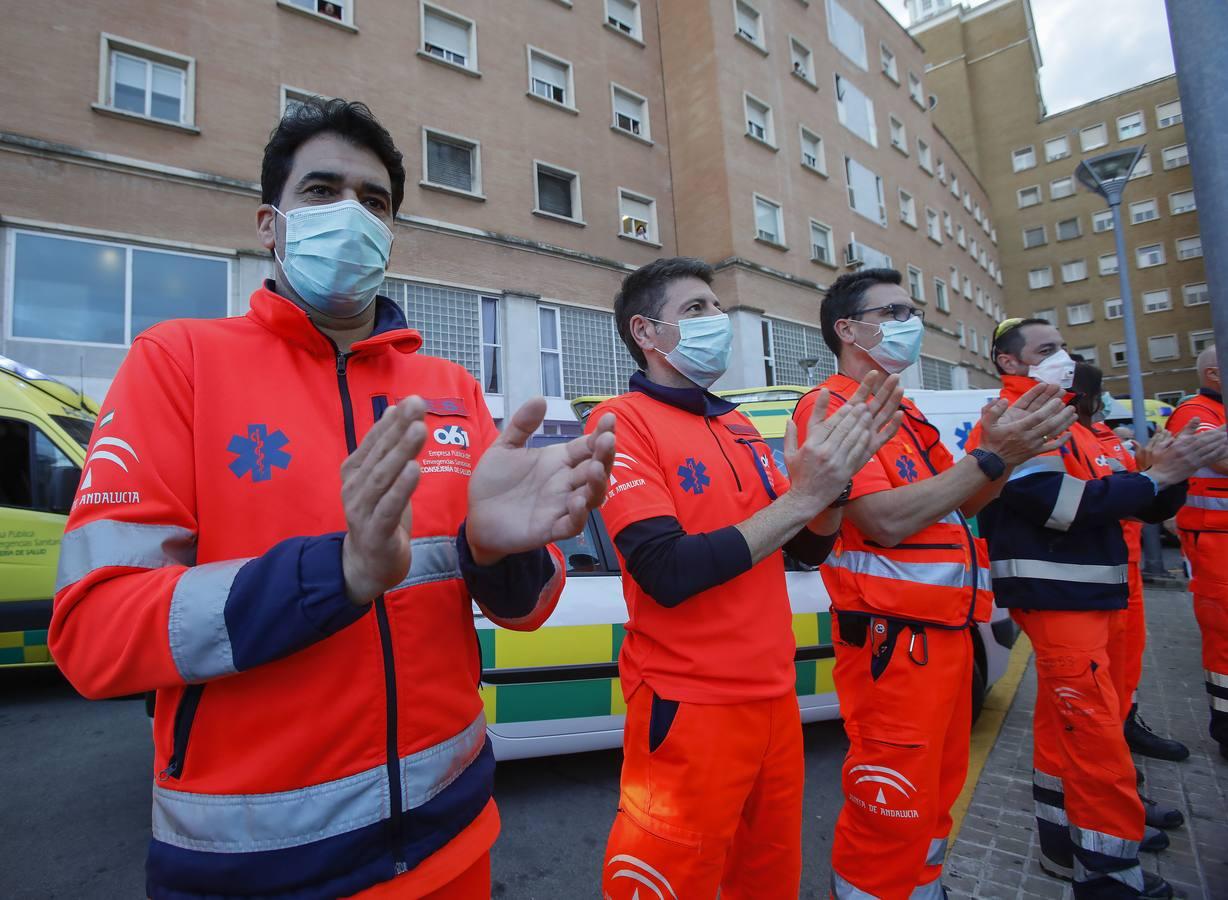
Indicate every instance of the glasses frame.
{"type": "Point", "coordinates": [912, 311]}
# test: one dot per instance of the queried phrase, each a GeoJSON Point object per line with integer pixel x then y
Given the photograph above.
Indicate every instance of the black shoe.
{"type": "Point", "coordinates": [1161, 815]}
{"type": "Point", "coordinates": [1056, 869]}
{"type": "Point", "coordinates": [1154, 840]}
{"type": "Point", "coordinates": [1155, 887]}
{"type": "Point", "coordinates": [1145, 742]}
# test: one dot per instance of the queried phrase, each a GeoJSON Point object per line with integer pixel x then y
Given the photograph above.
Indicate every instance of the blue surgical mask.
{"type": "Point", "coordinates": [900, 346]}
{"type": "Point", "coordinates": [704, 343]}
{"type": "Point", "coordinates": [335, 256]}
{"type": "Point", "coordinates": [1106, 407]}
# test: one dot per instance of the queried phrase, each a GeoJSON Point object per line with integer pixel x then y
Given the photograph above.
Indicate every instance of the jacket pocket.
{"type": "Point", "coordinates": [185, 715]}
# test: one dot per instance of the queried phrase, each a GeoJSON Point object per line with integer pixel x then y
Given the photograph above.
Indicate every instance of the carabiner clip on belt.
{"type": "Point", "coordinates": [925, 645]}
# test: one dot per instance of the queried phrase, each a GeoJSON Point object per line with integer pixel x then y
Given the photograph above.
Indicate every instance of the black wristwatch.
{"type": "Point", "coordinates": [844, 496]}
{"type": "Point", "coordinates": [990, 463]}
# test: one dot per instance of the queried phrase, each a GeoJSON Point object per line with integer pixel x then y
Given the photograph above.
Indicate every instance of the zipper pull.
{"type": "Point", "coordinates": [341, 358]}
{"type": "Point", "coordinates": [171, 770]}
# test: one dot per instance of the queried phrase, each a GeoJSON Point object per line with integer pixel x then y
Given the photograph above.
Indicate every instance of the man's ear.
{"type": "Point", "coordinates": [266, 226]}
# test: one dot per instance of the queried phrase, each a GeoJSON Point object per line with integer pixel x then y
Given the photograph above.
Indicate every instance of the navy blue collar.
{"type": "Point", "coordinates": [388, 316]}
{"type": "Point", "coordinates": [1214, 395]}
{"type": "Point", "coordinates": [693, 400]}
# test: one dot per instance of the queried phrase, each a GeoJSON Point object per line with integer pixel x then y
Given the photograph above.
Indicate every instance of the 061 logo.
{"type": "Point", "coordinates": [453, 435]}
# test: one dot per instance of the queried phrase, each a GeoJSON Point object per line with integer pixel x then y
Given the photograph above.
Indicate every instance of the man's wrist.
{"type": "Point", "coordinates": [1157, 482]}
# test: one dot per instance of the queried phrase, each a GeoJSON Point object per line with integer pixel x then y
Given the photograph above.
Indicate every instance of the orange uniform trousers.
{"type": "Point", "coordinates": [1207, 552]}
{"type": "Point", "coordinates": [1127, 641]}
{"type": "Point", "coordinates": [1088, 812]}
{"type": "Point", "coordinates": [711, 800]}
{"type": "Point", "coordinates": [908, 732]}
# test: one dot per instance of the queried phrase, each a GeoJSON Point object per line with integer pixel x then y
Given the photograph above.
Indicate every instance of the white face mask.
{"type": "Point", "coordinates": [704, 344]}
{"type": "Point", "coordinates": [1057, 368]}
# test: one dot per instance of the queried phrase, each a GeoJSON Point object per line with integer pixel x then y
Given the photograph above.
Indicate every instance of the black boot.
{"type": "Point", "coordinates": [1155, 887]}
{"type": "Point", "coordinates": [1154, 840]}
{"type": "Point", "coordinates": [1161, 815]}
{"type": "Point", "coordinates": [1145, 742]}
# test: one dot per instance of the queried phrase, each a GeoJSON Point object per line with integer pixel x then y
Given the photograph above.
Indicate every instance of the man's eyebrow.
{"type": "Point", "coordinates": [319, 175]}
{"type": "Point", "coordinates": [374, 187]}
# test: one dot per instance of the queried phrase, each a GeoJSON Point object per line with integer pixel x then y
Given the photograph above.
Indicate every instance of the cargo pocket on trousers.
{"type": "Point", "coordinates": [660, 721]}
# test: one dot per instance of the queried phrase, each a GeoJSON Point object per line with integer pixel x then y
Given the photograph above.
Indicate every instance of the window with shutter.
{"type": "Point", "coordinates": [446, 37]}
{"type": "Point", "coordinates": [449, 163]}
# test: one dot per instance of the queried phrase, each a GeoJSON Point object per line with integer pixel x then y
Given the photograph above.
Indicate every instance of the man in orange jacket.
{"type": "Point", "coordinates": [1203, 526]}
{"type": "Point", "coordinates": [711, 795]}
{"type": "Point", "coordinates": [244, 543]}
{"type": "Point", "coordinates": [908, 582]}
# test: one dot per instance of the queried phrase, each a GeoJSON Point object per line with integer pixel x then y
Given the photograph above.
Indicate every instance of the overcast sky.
{"type": "Point", "coordinates": [1091, 48]}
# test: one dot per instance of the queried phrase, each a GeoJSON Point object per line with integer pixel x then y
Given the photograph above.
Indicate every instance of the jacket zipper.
{"type": "Point", "coordinates": [721, 447]}
{"type": "Point", "coordinates": [185, 714]}
{"type": "Point", "coordinates": [911, 546]}
{"type": "Point", "coordinates": [385, 635]}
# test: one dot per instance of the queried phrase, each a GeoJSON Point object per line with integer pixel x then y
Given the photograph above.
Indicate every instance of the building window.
{"type": "Point", "coordinates": [748, 23]}
{"type": "Point", "coordinates": [1023, 158]}
{"type": "Point", "coordinates": [769, 224]}
{"type": "Point", "coordinates": [1150, 255]}
{"type": "Point", "coordinates": [821, 248]}
{"type": "Point", "coordinates": [1108, 264]}
{"type": "Point", "coordinates": [1199, 341]}
{"type": "Point", "coordinates": [865, 191]}
{"type": "Point", "coordinates": [1157, 301]}
{"type": "Point", "coordinates": [802, 60]}
{"type": "Point", "coordinates": [1068, 229]}
{"type": "Point", "coordinates": [1049, 315]}
{"type": "Point", "coordinates": [908, 209]}
{"type": "Point", "coordinates": [1093, 137]}
{"type": "Point", "coordinates": [637, 216]}
{"type": "Point", "coordinates": [1162, 346]}
{"type": "Point", "coordinates": [967, 201]}
{"type": "Point", "coordinates": [492, 382]}
{"type": "Point", "coordinates": [1181, 202]}
{"type": "Point", "coordinates": [933, 229]}
{"type": "Point", "coordinates": [99, 292]}
{"type": "Point", "coordinates": [451, 321]}
{"type": "Point", "coordinates": [975, 346]}
{"type": "Point", "coordinates": [630, 112]}
{"type": "Point", "coordinates": [550, 345]}
{"type": "Point", "coordinates": [451, 162]}
{"type": "Point", "coordinates": [336, 10]}
{"type": "Point", "coordinates": [955, 187]}
{"type": "Point", "coordinates": [293, 98]}
{"type": "Point", "coordinates": [863, 253]}
{"type": "Point", "coordinates": [856, 111]}
{"type": "Point", "coordinates": [1195, 294]}
{"type": "Point", "coordinates": [845, 32]}
{"type": "Point", "coordinates": [147, 82]}
{"type": "Point", "coordinates": [813, 157]}
{"type": "Point", "coordinates": [1168, 114]}
{"type": "Point", "coordinates": [924, 157]}
{"type": "Point", "coordinates": [759, 120]}
{"type": "Point", "coordinates": [941, 300]}
{"type": "Point", "coordinates": [890, 68]}
{"type": "Point", "coordinates": [624, 17]}
{"type": "Point", "coordinates": [937, 374]}
{"type": "Point", "coordinates": [595, 360]}
{"type": "Point", "coordinates": [550, 78]}
{"type": "Point", "coordinates": [1176, 157]}
{"type": "Point", "coordinates": [963, 334]}
{"type": "Point", "coordinates": [1102, 221]}
{"type": "Point", "coordinates": [1034, 237]}
{"type": "Point", "coordinates": [1028, 196]}
{"type": "Point", "coordinates": [1041, 277]}
{"type": "Point", "coordinates": [1112, 308]}
{"type": "Point", "coordinates": [961, 236]}
{"type": "Point", "coordinates": [1142, 168]}
{"type": "Point", "coordinates": [955, 282]}
{"type": "Point", "coordinates": [1190, 247]}
{"type": "Point", "coordinates": [1088, 354]}
{"type": "Point", "coordinates": [1075, 270]}
{"type": "Point", "coordinates": [1130, 126]}
{"type": "Point", "coordinates": [967, 288]}
{"type": "Point", "coordinates": [1078, 314]}
{"type": "Point", "coordinates": [1057, 148]}
{"type": "Point", "coordinates": [915, 90]}
{"type": "Point", "coordinates": [980, 297]}
{"type": "Point", "coordinates": [948, 224]}
{"type": "Point", "coordinates": [557, 192]}
{"type": "Point", "coordinates": [1117, 351]}
{"type": "Point", "coordinates": [899, 137]}
{"type": "Point", "coordinates": [1143, 211]}
{"type": "Point", "coordinates": [449, 37]}
{"type": "Point", "coordinates": [916, 284]}
{"type": "Point", "coordinates": [942, 172]}
{"type": "Point", "coordinates": [1061, 187]}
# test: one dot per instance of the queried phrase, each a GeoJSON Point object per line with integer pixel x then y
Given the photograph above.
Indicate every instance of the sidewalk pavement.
{"type": "Point", "coordinates": [995, 854]}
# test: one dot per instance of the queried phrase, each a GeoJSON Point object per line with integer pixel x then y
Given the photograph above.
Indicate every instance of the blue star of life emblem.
{"type": "Point", "coordinates": [694, 479]}
{"type": "Point", "coordinates": [907, 469]}
{"type": "Point", "coordinates": [962, 433]}
{"type": "Point", "coordinates": [258, 453]}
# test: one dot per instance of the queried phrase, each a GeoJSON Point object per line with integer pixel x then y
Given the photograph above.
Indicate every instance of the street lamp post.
{"type": "Point", "coordinates": [1107, 175]}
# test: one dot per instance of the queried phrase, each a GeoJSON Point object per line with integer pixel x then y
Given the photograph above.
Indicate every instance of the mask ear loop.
{"type": "Point", "coordinates": [857, 345]}
{"type": "Point", "coordinates": [280, 261]}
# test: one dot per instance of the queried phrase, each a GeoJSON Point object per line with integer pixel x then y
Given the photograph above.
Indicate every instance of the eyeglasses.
{"type": "Point", "coordinates": [901, 312]}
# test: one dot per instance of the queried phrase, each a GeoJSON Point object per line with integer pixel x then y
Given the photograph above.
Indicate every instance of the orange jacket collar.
{"type": "Point", "coordinates": [288, 321]}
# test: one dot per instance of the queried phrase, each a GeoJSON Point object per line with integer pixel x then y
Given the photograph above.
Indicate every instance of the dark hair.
{"type": "Point", "coordinates": [1012, 340]}
{"type": "Point", "coordinates": [1088, 380]}
{"type": "Point", "coordinates": [643, 294]}
{"type": "Point", "coordinates": [351, 121]}
{"type": "Point", "coordinates": [844, 297]}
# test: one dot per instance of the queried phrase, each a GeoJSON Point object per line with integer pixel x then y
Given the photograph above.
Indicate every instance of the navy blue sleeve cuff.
{"type": "Point", "coordinates": [511, 588]}
{"type": "Point", "coordinates": [809, 547]}
{"type": "Point", "coordinates": [672, 566]}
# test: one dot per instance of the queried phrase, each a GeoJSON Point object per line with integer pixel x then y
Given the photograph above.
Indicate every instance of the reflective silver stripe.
{"type": "Point", "coordinates": [196, 626]}
{"type": "Point", "coordinates": [984, 579]}
{"type": "Point", "coordinates": [107, 542]}
{"type": "Point", "coordinates": [1066, 506]}
{"type": "Point", "coordinates": [244, 823]}
{"type": "Point", "coordinates": [1047, 781]}
{"type": "Point", "coordinates": [952, 518]}
{"type": "Point", "coordinates": [931, 891]}
{"type": "Point", "coordinates": [1038, 466]}
{"type": "Point", "coordinates": [937, 852]}
{"type": "Point", "coordinates": [1051, 814]}
{"type": "Point", "coordinates": [1054, 571]}
{"type": "Point", "coordinates": [1219, 704]}
{"type": "Point", "coordinates": [845, 890]}
{"type": "Point", "coordinates": [936, 574]}
{"type": "Point", "coordinates": [1114, 465]}
{"type": "Point", "coordinates": [434, 559]}
{"type": "Point", "coordinates": [1219, 503]}
{"type": "Point", "coordinates": [1209, 473]}
{"type": "Point", "coordinates": [1216, 678]}
{"type": "Point", "coordinates": [1100, 842]}
{"type": "Point", "coordinates": [1131, 877]}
